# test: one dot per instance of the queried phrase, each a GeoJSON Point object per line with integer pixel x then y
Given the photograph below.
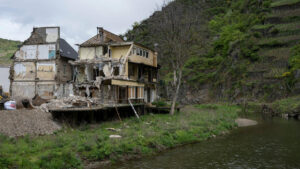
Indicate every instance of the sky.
{"type": "Point", "coordinates": [77, 19]}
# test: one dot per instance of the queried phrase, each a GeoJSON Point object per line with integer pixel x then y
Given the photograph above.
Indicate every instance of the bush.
{"type": "Point", "coordinates": [160, 103]}
{"type": "Point", "coordinates": [56, 160]}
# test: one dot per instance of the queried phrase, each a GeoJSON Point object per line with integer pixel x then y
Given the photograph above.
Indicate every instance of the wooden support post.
{"type": "Point", "coordinates": [133, 109]}
{"type": "Point", "coordinates": [118, 113]}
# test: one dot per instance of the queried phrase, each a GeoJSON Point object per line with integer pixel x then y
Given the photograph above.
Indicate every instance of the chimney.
{"type": "Point", "coordinates": [101, 33]}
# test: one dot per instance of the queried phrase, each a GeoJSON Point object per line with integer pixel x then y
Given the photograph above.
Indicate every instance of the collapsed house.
{"type": "Point", "coordinates": [114, 71]}
{"type": "Point", "coordinates": [41, 66]}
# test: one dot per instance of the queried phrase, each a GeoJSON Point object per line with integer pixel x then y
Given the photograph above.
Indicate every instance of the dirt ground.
{"type": "Point", "coordinates": [27, 122]}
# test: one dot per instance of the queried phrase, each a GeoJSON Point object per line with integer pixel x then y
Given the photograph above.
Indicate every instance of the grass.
{"type": "Point", "coordinates": [262, 27]}
{"type": "Point", "coordinates": [287, 26]}
{"type": "Point", "coordinates": [284, 2]}
{"type": "Point", "coordinates": [72, 148]}
{"type": "Point", "coordinates": [287, 105]}
{"type": "Point", "coordinates": [7, 49]}
{"type": "Point", "coordinates": [284, 14]}
{"type": "Point", "coordinates": [277, 41]}
{"type": "Point", "coordinates": [278, 53]}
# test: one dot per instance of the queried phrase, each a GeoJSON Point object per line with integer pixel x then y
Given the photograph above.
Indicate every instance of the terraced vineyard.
{"type": "Point", "coordinates": [275, 38]}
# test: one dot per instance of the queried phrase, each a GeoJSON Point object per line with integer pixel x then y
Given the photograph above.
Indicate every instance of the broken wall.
{"type": "Point", "coordinates": [46, 70]}
{"type": "Point", "coordinates": [90, 52]}
{"type": "Point", "coordinates": [22, 90]}
{"type": "Point", "coordinates": [24, 71]}
{"type": "Point", "coordinates": [64, 71]}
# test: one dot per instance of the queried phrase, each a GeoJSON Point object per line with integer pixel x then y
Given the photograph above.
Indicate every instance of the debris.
{"type": "Point", "coordinates": [70, 102]}
{"type": "Point", "coordinates": [115, 136]}
{"type": "Point", "coordinates": [26, 103]}
{"type": "Point", "coordinates": [113, 129]}
{"type": "Point", "coordinates": [10, 105]}
{"type": "Point", "coordinates": [38, 101]}
{"type": "Point", "coordinates": [23, 122]}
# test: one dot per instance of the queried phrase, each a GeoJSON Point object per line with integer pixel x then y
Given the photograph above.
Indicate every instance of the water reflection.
{"type": "Point", "coordinates": [274, 143]}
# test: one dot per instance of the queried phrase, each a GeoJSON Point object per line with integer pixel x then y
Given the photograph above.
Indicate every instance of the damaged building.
{"type": "Point", "coordinates": [114, 71]}
{"type": "Point", "coordinates": [41, 66]}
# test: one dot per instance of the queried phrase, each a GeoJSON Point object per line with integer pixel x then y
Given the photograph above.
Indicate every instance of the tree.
{"type": "Point", "coordinates": [174, 31]}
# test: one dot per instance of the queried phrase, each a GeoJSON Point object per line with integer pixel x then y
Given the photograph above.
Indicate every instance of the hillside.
{"type": "Point", "coordinates": [7, 49]}
{"type": "Point", "coordinates": [247, 49]}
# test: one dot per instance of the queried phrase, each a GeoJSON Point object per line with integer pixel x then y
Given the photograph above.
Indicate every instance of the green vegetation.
{"type": "Point", "coordinates": [7, 49]}
{"type": "Point", "coordinates": [284, 2]}
{"type": "Point", "coordinates": [70, 148]}
{"type": "Point", "coordinates": [288, 105]}
{"type": "Point", "coordinates": [294, 60]}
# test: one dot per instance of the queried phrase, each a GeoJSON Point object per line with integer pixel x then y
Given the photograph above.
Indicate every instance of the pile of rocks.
{"type": "Point", "coordinates": [27, 122]}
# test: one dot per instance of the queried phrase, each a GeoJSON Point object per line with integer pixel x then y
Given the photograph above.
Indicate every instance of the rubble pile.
{"type": "Point", "coordinates": [23, 122]}
{"type": "Point", "coordinates": [69, 102]}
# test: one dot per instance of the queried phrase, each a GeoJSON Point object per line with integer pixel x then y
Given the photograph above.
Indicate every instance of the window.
{"type": "Point", "coordinates": [131, 92]}
{"type": "Point", "coordinates": [140, 92]}
{"type": "Point", "coordinates": [137, 51]}
{"type": "Point", "coordinates": [116, 71]}
{"type": "Point", "coordinates": [109, 52]}
{"type": "Point", "coordinates": [147, 54]}
{"type": "Point", "coordinates": [141, 52]}
{"type": "Point", "coordinates": [131, 70]}
{"type": "Point", "coordinates": [101, 73]}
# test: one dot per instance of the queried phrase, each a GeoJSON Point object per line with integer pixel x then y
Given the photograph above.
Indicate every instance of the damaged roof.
{"type": "Point", "coordinates": [66, 50]}
{"type": "Point", "coordinates": [107, 38]}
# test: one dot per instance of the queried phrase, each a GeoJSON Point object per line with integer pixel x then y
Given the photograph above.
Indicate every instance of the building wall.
{"type": "Point", "coordinates": [151, 60]}
{"type": "Point", "coordinates": [40, 52]}
{"type": "Point", "coordinates": [24, 71]}
{"type": "Point", "coordinates": [46, 70]}
{"type": "Point", "coordinates": [90, 52]}
{"type": "Point", "coordinates": [38, 68]}
{"type": "Point", "coordinates": [119, 51]}
{"type": "Point", "coordinates": [64, 71]}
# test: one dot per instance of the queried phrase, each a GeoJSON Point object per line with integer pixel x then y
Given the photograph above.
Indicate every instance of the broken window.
{"type": "Point", "coordinates": [116, 71]}
{"type": "Point", "coordinates": [109, 52]}
{"type": "Point", "coordinates": [101, 73]}
{"type": "Point", "coordinates": [134, 50]}
{"type": "Point", "coordinates": [141, 52]}
{"type": "Point", "coordinates": [95, 74]}
{"type": "Point", "coordinates": [105, 50]}
{"type": "Point", "coordinates": [138, 51]}
{"type": "Point", "coordinates": [144, 53]}
{"type": "Point", "coordinates": [147, 54]}
{"type": "Point", "coordinates": [131, 70]}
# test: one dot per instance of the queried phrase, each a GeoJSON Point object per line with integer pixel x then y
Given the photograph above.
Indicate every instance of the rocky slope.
{"type": "Point", "coordinates": [247, 50]}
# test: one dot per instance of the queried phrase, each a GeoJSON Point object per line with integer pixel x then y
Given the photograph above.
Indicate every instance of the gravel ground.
{"type": "Point", "coordinates": [27, 122]}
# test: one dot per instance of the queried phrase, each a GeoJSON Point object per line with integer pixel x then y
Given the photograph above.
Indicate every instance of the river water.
{"type": "Point", "coordinates": [273, 143]}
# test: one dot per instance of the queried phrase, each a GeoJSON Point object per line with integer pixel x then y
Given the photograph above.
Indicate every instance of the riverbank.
{"type": "Point", "coordinates": [85, 145]}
